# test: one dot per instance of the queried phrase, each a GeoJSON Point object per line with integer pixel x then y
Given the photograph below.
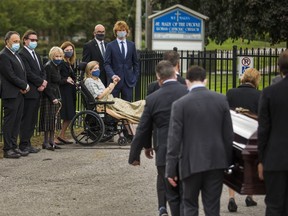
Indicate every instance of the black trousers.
{"type": "Point", "coordinates": [210, 184]}
{"type": "Point", "coordinates": [276, 199]}
{"type": "Point", "coordinates": [172, 194]}
{"type": "Point", "coordinates": [28, 121]}
{"type": "Point", "coordinates": [13, 110]}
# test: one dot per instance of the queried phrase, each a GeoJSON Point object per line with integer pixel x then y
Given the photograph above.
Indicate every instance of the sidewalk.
{"type": "Point", "coordinates": [91, 181]}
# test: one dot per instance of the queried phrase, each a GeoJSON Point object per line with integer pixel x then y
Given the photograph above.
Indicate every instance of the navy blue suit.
{"type": "Point", "coordinates": [126, 68]}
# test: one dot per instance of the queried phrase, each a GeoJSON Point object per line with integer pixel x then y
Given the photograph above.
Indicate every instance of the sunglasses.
{"type": "Point", "coordinates": [33, 40]}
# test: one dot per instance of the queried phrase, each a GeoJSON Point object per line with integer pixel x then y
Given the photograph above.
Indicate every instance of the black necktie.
{"type": "Point", "coordinates": [35, 58]}
{"type": "Point", "coordinates": [122, 49]}
{"type": "Point", "coordinates": [102, 49]}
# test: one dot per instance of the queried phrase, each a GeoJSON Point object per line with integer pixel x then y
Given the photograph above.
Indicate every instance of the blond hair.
{"type": "Point", "coordinates": [55, 50]}
{"type": "Point", "coordinates": [90, 65]}
{"type": "Point", "coordinates": [120, 26]}
{"type": "Point", "coordinates": [252, 76]}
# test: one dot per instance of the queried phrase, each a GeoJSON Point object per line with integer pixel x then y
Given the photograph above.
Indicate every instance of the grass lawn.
{"type": "Point", "coordinates": [228, 45]}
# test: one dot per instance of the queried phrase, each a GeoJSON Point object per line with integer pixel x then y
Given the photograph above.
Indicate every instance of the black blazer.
{"type": "Point", "coordinates": [245, 96]}
{"type": "Point", "coordinates": [13, 75]}
{"type": "Point", "coordinates": [272, 129]}
{"type": "Point", "coordinates": [53, 78]}
{"type": "Point", "coordinates": [92, 52]}
{"type": "Point", "coordinates": [200, 134]}
{"type": "Point", "coordinates": [156, 112]}
{"type": "Point", "coordinates": [35, 75]}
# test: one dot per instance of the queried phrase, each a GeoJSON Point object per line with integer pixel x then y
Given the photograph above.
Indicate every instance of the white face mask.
{"type": "Point", "coordinates": [15, 47]}
{"type": "Point", "coordinates": [121, 34]}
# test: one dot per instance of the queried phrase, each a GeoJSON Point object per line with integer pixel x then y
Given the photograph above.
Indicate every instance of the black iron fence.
{"type": "Point", "coordinates": [221, 67]}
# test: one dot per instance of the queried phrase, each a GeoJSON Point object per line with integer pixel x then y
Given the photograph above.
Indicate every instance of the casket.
{"type": "Point", "coordinates": [242, 176]}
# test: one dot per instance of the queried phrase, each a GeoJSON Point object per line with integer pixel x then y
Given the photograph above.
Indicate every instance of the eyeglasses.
{"type": "Point", "coordinates": [33, 40]}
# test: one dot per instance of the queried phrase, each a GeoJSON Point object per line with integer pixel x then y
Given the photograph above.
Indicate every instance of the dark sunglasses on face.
{"type": "Point", "coordinates": [33, 40]}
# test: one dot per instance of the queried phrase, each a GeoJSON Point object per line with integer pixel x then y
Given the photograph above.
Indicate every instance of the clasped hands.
{"type": "Point", "coordinates": [43, 86]}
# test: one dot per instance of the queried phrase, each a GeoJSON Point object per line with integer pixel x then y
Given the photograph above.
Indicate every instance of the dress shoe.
{"type": "Point", "coordinates": [64, 141]}
{"type": "Point", "coordinates": [250, 202]}
{"type": "Point", "coordinates": [55, 146]}
{"type": "Point", "coordinates": [47, 146]}
{"type": "Point", "coordinates": [22, 153]}
{"type": "Point", "coordinates": [163, 211]}
{"type": "Point", "coordinates": [31, 149]}
{"type": "Point", "coordinates": [11, 154]}
{"type": "Point", "coordinates": [232, 207]}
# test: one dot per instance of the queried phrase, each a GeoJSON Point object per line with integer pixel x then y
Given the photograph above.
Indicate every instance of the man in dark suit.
{"type": "Point", "coordinates": [95, 49]}
{"type": "Point", "coordinates": [121, 62]}
{"type": "Point", "coordinates": [174, 58]}
{"type": "Point", "coordinates": [36, 80]}
{"type": "Point", "coordinates": [199, 144]}
{"type": "Point", "coordinates": [273, 142]}
{"type": "Point", "coordinates": [156, 115]}
{"type": "Point", "coordinates": [13, 86]}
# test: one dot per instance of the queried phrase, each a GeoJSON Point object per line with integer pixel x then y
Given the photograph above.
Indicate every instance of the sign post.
{"type": "Point", "coordinates": [244, 62]}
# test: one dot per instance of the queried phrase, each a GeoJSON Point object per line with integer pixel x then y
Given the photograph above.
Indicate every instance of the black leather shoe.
{"type": "Point", "coordinates": [55, 146]}
{"type": "Point", "coordinates": [31, 149]}
{"type": "Point", "coordinates": [22, 153]}
{"type": "Point", "coordinates": [47, 146]}
{"type": "Point", "coordinates": [250, 202]}
{"type": "Point", "coordinates": [11, 154]}
{"type": "Point", "coordinates": [232, 207]}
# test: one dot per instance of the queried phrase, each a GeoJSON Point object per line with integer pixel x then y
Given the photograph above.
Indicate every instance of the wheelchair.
{"type": "Point", "coordinates": [92, 125]}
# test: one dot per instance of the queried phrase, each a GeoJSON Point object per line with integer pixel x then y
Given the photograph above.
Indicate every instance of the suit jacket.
{"type": "Point", "coordinates": [245, 96]}
{"type": "Point", "coordinates": [13, 75]}
{"type": "Point", "coordinates": [156, 112]}
{"type": "Point", "coordinates": [53, 78]}
{"type": "Point", "coordinates": [153, 86]}
{"type": "Point", "coordinates": [272, 129]}
{"type": "Point", "coordinates": [91, 51]}
{"type": "Point", "coordinates": [127, 69]}
{"type": "Point", "coordinates": [35, 75]}
{"type": "Point", "coordinates": [200, 134]}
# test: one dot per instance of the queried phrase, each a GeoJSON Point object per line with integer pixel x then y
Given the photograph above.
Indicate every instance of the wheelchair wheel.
{"type": "Point", "coordinates": [122, 141]}
{"type": "Point", "coordinates": [87, 128]}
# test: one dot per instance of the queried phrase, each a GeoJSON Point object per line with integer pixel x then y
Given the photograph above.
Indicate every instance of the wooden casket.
{"type": "Point", "coordinates": [242, 176]}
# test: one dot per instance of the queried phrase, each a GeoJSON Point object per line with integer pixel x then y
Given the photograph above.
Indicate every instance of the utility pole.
{"type": "Point", "coordinates": [148, 26]}
{"type": "Point", "coordinates": [138, 25]}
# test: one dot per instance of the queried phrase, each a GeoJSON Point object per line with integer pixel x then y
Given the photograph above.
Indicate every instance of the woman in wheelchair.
{"type": "Point", "coordinates": [121, 109]}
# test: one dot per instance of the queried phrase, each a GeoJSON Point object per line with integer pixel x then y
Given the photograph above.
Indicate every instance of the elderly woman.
{"type": "Point", "coordinates": [131, 111]}
{"type": "Point", "coordinates": [49, 105]}
{"type": "Point", "coordinates": [245, 96]}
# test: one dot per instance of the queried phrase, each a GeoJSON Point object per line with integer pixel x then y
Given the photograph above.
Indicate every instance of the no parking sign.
{"type": "Point", "coordinates": [244, 63]}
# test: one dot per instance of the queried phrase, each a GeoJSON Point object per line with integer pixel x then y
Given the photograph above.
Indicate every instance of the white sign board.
{"type": "Point", "coordinates": [244, 62]}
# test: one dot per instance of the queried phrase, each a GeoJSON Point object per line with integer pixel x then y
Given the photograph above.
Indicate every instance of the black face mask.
{"type": "Point", "coordinates": [100, 36]}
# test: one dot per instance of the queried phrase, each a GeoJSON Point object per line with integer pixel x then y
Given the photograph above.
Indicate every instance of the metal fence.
{"type": "Point", "coordinates": [220, 65]}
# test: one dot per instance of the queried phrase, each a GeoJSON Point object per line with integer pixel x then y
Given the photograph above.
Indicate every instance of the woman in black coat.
{"type": "Point", "coordinates": [49, 104]}
{"type": "Point", "coordinates": [246, 96]}
{"type": "Point", "coordinates": [67, 89]}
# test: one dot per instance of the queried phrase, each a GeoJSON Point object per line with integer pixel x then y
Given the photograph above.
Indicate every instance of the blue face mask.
{"type": "Point", "coordinates": [68, 54]}
{"type": "Point", "coordinates": [96, 73]}
{"type": "Point", "coordinates": [15, 47]}
{"type": "Point", "coordinates": [57, 61]}
{"type": "Point", "coordinates": [32, 45]}
{"type": "Point", "coordinates": [121, 34]}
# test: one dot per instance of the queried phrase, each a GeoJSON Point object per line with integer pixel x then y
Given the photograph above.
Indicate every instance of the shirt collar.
{"type": "Point", "coordinates": [119, 41]}
{"type": "Point", "coordinates": [196, 86]}
{"type": "Point", "coordinates": [169, 80]}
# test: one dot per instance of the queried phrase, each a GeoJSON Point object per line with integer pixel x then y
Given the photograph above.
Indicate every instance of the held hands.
{"type": "Point", "coordinates": [43, 86]}
{"type": "Point", "coordinates": [260, 171]}
{"type": "Point", "coordinates": [149, 153]}
{"type": "Point", "coordinates": [55, 101]}
{"type": "Point", "coordinates": [26, 90]}
{"type": "Point", "coordinates": [116, 79]}
{"type": "Point", "coordinates": [70, 80]}
{"type": "Point", "coordinates": [173, 181]}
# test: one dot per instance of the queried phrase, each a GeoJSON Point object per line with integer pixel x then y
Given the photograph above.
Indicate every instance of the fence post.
{"type": "Point", "coordinates": [234, 66]}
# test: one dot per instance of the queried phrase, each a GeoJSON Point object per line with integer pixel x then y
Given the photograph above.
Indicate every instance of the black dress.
{"type": "Point", "coordinates": [48, 110]}
{"type": "Point", "coordinates": [68, 92]}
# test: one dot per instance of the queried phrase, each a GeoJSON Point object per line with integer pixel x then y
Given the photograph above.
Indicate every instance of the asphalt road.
{"type": "Point", "coordinates": [93, 181]}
